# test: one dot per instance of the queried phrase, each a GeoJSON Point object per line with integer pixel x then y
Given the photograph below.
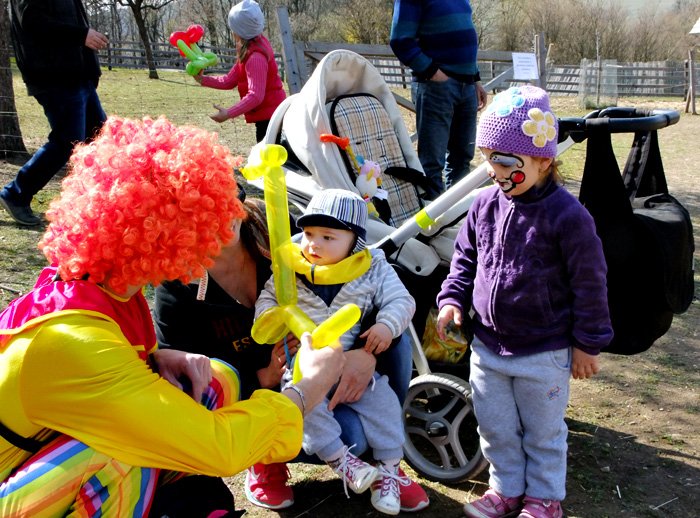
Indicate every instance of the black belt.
{"type": "Point", "coordinates": [24, 443]}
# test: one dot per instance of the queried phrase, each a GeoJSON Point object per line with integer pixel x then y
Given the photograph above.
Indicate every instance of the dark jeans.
{"type": "Point", "coordinates": [74, 114]}
{"type": "Point", "coordinates": [446, 126]}
{"type": "Point", "coordinates": [397, 364]}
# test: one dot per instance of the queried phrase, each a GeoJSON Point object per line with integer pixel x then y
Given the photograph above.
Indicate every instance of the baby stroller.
{"type": "Point", "coordinates": [346, 97]}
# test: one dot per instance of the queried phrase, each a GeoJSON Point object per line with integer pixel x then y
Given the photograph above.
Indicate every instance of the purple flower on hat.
{"type": "Point", "coordinates": [505, 102]}
{"type": "Point", "coordinates": [540, 126]}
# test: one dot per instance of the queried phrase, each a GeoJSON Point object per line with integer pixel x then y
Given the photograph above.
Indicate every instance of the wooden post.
{"type": "Point", "coordinates": [291, 63]}
{"type": "Point", "coordinates": [109, 53]}
{"type": "Point", "coordinates": [690, 100]}
{"type": "Point", "coordinates": [541, 53]}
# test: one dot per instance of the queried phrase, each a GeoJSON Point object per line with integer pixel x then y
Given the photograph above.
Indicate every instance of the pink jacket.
{"type": "Point", "coordinates": [258, 82]}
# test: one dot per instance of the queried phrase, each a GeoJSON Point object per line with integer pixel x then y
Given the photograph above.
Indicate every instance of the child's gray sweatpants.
{"type": "Point", "coordinates": [380, 414]}
{"type": "Point", "coordinates": [520, 403]}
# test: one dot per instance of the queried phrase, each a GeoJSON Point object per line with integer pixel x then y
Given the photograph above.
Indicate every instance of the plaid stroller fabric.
{"type": "Point", "coordinates": [365, 121]}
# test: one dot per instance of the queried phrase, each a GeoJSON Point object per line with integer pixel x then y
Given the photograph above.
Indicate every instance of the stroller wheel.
{"type": "Point", "coordinates": [442, 442]}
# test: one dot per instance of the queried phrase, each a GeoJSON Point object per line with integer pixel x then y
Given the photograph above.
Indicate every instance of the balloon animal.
{"type": "Point", "coordinates": [275, 323]}
{"type": "Point", "coordinates": [186, 42]}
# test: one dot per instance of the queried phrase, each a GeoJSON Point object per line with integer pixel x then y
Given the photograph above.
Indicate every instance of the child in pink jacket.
{"type": "Point", "coordinates": [255, 72]}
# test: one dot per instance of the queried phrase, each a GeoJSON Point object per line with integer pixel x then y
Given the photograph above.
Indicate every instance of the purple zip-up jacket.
{"type": "Point", "coordinates": [533, 269]}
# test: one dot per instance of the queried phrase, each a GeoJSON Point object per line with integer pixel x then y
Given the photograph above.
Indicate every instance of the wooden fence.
{"type": "Point", "coordinates": [658, 79]}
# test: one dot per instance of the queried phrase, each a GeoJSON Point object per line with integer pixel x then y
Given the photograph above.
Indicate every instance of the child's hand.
{"type": "Point", "coordinates": [198, 77]}
{"type": "Point", "coordinates": [221, 115]}
{"type": "Point", "coordinates": [271, 375]}
{"type": "Point", "coordinates": [448, 314]}
{"type": "Point", "coordinates": [378, 338]}
{"type": "Point", "coordinates": [583, 365]}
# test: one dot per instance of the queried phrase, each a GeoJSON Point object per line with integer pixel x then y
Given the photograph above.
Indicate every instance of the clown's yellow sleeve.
{"type": "Point", "coordinates": [79, 375]}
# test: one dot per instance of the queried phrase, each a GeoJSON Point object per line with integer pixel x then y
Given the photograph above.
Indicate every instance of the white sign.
{"type": "Point", "coordinates": [525, 66]}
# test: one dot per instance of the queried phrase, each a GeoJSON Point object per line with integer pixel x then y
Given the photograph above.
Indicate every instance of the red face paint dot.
{"type": "Point", "coordinates": [517, 177]}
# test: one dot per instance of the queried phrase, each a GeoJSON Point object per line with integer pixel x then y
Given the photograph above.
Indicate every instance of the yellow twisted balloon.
{"type": "Point", "coordinates": [275, 323]}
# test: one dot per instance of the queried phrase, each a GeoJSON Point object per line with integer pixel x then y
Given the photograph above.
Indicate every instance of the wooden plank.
{"type": "Point", "coordinates": [499, 80]}
{"type": "Point", "coordinates": [363, 49]}
{"type": "Point", "coordinates": [291, 62]}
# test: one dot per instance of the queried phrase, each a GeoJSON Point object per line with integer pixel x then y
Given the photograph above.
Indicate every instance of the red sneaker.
{"type": "Point", "coordinates": [413, 497]}
{"type": "Point", "coordinates": [266, 486]}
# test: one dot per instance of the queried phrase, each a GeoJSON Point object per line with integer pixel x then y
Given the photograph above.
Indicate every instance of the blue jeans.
{"type": "Point", "coordinates": [73, 114]}
{"type": "Point", "coordinates": [446, 124]}
{"type": "Point", "coordinates": [397, 364]}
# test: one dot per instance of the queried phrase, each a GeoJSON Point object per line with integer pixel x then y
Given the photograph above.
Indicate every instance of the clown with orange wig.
{"type": "Point", "coordinates": [93, 412]}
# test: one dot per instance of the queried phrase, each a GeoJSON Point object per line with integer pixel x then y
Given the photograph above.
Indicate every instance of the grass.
{"type": "Point", "coordinates": [626, 456]}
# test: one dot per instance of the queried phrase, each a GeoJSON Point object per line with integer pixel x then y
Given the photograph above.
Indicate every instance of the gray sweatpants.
{"type": "Point", "coordinates": [381, 416]}
{"type": "Point", "coordinates": [520, 403]}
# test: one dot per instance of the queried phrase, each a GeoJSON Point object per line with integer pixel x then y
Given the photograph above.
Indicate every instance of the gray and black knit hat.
{"type": "Point", "coordinates": [337, 208]}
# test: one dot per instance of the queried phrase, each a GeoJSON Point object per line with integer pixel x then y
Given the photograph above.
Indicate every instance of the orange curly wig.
{"type": "Point", "coordinates": [145, 201]}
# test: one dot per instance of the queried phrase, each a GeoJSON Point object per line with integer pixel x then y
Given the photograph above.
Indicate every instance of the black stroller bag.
{"type": "Point", "coordinates": [647, 237]}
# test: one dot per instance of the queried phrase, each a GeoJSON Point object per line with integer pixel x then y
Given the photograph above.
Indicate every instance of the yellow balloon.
{"type": "Point", "coordinates": [270, 327]}
{"type": "Point", "coordinates": [273, 324]}
{"type": "Point", "coordinates": [336, 325]}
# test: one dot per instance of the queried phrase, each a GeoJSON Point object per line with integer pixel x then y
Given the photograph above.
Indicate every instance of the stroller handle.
{"type": "Point", "coordinates": [616, 120]}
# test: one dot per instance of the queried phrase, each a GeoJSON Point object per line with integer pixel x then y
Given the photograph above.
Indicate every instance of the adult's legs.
{"type": "Point", "coordinates": [460, 146]}
{"type": "Point", "coordinates": [73, 115]}
{"type": "Point", "coordinates": [433, 119]}
{"type": "Point", "coordinates": [397, 364]}
{"type": "Point", "coordinates": [67, 476]}
{"type": "Point", "coordinates": [184, 494]}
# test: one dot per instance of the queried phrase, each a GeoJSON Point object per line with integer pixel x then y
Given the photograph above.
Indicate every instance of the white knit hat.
{"type": "Point", "coordinates": [246, 19]}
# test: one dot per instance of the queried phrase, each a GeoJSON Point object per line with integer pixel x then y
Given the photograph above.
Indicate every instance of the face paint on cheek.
{"type": "Point", "coordinates": [517, 177]}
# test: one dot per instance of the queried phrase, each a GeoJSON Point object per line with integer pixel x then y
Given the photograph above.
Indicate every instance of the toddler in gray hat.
{"type": "Point", "coordinates": [334, 268]}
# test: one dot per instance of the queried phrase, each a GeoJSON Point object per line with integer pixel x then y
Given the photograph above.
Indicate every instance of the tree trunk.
{"type": "Point", "coordinates": [11, 143]}
{"type": "Point", "coordinates": [146, 40]}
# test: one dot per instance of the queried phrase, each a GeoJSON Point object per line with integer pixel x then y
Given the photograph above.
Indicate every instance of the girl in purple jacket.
{"type": "Point", "coordinates": [529, 263]}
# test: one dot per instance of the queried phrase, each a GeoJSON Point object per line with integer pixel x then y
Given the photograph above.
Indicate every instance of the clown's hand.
{"type": "Point", "coordinates": [321, 369]}
{"type": "Point", "coordinates": [175, 366]}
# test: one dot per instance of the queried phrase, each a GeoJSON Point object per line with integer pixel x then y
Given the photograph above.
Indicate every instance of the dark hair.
{"type": "Point", "coordinates": [254, 233]}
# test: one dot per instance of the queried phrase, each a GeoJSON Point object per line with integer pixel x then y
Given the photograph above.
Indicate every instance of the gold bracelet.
{"type": "Point", "coordinates": [301, 397]}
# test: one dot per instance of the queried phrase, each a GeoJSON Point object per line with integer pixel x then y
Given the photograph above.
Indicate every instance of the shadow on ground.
{"type": "Point", "coordinates": [604, 472]}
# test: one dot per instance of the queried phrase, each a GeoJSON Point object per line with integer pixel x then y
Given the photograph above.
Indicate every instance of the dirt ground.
{"type": "Point", "coordinates": [634, 444]}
